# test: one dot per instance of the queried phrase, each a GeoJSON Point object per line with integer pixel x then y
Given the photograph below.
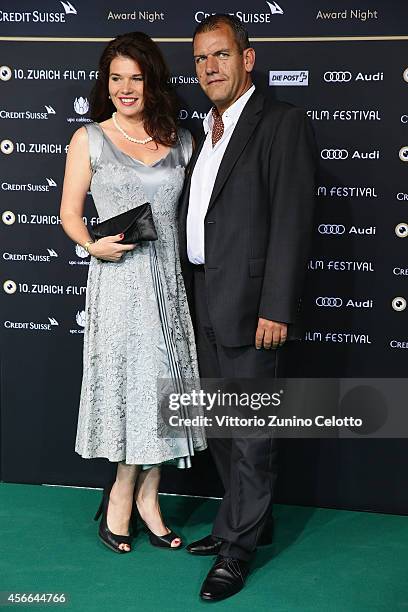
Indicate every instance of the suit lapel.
{"type": "Point", "coordinates": [243, 131]}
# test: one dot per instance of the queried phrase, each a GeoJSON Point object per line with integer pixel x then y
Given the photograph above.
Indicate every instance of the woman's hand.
{"type": "Point", "coordinates": [109, 248]}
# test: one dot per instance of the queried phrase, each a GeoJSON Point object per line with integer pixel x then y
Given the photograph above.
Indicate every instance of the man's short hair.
{"type": "Point", "coordinates": [212, 22]}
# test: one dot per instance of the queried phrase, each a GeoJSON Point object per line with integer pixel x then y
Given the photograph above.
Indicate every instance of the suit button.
{"type": "Point", "coordinates": [209, 222]}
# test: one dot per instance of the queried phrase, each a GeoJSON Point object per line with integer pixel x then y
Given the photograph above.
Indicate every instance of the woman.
{"type": "Point", "coordinates": [138, 327]}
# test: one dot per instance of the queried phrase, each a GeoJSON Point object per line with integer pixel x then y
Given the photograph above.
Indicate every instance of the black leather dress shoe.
{"type": "Point", "coordinates": [206, 546]}
{"type": "Point", "coordinates": [225, 578]}
{"type": "Point", "coordinates": [211, 545]}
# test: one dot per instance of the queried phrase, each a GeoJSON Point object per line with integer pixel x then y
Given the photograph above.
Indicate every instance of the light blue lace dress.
{"type": "Point", "coordinates": [138, 327]}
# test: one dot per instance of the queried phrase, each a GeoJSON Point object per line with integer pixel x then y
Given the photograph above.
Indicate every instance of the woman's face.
{"type": "Point", "coordinates": [126, 86]}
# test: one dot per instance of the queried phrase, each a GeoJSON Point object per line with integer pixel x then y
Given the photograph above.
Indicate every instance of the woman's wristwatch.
{"type": "Point", "coordinates": [87, 245]}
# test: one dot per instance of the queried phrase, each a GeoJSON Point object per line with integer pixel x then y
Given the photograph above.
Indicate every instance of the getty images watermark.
{"type": "Point", "coordinates": [254, 401]}
{"type": "Point", "coordinates": [315, 408]}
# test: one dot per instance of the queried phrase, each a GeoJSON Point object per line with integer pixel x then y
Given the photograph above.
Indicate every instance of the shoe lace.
{"type": "Point", "coordinates": [232, 565]}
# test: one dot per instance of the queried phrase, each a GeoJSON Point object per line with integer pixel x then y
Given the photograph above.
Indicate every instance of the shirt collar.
{"type": "Point", "coordinates": [232, 113]}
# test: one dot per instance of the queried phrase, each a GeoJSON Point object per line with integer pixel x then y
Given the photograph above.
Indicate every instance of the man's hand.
{"type": "Point", "coordinates": [270, 334]}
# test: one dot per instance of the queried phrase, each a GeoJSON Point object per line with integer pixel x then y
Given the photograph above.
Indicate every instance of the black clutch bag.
{"type": "Point", "coordinates": [136, 224]}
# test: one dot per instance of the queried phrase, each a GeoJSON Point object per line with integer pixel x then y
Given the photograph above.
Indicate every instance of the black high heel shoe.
{"type": "Point", "coordinates": [111, 540]}
{"type": "Point", "coordinates": [163, 541]}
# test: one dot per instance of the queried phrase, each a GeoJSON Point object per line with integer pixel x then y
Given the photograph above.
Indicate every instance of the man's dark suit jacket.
{"type": "Point", "coordinates": [259, 222]}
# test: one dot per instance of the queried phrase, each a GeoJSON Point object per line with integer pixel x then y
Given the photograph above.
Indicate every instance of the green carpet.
{"type": "Point", "coordinates": [321, 560]}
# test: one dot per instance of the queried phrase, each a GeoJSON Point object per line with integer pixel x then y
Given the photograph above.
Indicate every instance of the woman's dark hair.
{"type": "Point", "coordinates": [212, 22]}
{"type": "Point", "coordinates": [160, 108]}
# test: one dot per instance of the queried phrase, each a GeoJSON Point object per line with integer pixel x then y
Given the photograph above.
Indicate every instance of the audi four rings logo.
{"type": "Point", "coordinates": [337, 77]}
{"type": "Point", "coordinates": [329, 302]}
{"type": "Point", "coordinates": [334, 154]}
{"type": "Point", "coordinates": [331, 229]}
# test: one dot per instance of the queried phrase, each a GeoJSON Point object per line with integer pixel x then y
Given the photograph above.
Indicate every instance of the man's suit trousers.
{"type": "Point", "coordinates": [247, 466]}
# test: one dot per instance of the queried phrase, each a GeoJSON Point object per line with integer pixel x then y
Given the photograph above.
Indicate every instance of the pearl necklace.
{"type": "Point", "coordinates": [142, 142]}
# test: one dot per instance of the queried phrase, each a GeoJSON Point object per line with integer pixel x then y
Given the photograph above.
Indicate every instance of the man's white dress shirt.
{"type": "Point", "coordinates": [205, 173]}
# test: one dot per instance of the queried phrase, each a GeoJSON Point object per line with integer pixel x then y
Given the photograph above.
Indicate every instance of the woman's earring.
{"type": "Point", "coordinates": [109, 97]}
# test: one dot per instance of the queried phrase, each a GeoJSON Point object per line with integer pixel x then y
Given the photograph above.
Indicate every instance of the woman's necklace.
{"type": "Point", "coordinates": [142, 142]}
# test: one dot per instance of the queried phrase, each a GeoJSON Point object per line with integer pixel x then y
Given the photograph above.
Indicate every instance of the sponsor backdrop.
{"type": "Point", "coordinates": [348, 68]}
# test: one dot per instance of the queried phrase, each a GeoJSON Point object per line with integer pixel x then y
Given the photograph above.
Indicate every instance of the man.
{"type": "Point", "coordinates": [245, 226]}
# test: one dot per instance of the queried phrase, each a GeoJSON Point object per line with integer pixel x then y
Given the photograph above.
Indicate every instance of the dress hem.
{"type": "Point", "coordinates": [163, 460]}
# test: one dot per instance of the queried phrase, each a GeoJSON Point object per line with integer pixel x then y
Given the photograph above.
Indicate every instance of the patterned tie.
{"type": "Point", "coordinates": [218, 127]}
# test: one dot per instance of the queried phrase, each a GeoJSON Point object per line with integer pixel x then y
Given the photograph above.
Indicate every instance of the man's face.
{"type": "Point", "coordinates": [223, 71]}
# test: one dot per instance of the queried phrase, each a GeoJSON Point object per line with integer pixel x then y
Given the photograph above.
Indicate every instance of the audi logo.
{"type": "Point", "coordinates": [334, 154]}
{"type": "Point", "coordinates": [331, 229]}
{"type": "Point", "coordinates": [337, 77]}
{"type": "Point", "coordinates": [329, 302]}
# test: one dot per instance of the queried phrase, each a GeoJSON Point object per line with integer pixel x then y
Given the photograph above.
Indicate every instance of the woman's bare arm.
{"type": "Point", "coordinates": [76, 184]}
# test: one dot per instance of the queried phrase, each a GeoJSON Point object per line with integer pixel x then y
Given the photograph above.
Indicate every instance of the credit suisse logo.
{"type": "Point", "coordinates": [274, 9]}
{"type": "Point", "coordinates": [37, 16]}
